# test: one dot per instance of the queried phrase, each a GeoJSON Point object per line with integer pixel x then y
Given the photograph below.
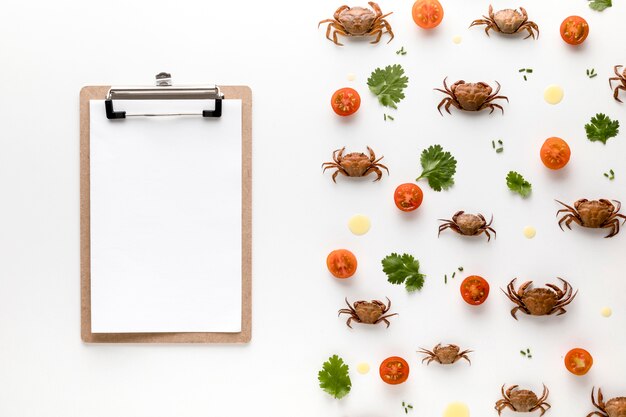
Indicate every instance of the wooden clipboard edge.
{"type": "Point", "coordinates": [230, 92]}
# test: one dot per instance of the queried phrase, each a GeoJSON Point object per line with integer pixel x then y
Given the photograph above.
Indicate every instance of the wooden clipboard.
{"type": "Point", "coordinates": [230, 92]}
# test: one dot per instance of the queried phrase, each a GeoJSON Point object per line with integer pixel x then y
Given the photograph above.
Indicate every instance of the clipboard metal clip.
{"type": "Point", "coordinates": [164, 90]}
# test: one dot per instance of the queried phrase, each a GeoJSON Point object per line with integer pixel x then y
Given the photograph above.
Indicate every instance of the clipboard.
{"type": "Point", "coordinates": [164, 91]}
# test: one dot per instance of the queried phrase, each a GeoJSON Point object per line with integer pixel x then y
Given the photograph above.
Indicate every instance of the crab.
{"type": "Point", "coordinates": [615, 407]}
{"type": "Point", "coordinates": [540, 301]}
{"type": "Point", "coordinates": [508, 21]}
{"type": "Point", "coordinates": [620, 78]}
{"type": "Point", "coordinates": [358, 21]}
{"type": "Point", "coordinates": [594, 214]}
{"type": "Point", "coordinates": [470, 96]}
{"type": "Point", "coordinates": [355, 164]}
{"type": "Point", "coordinates": [468, 224]}
{"type": "Point", "coordinates": [444, 355]}
{"type": "Point", "coordinates": [367, 312]}
{"type": "Point", "coordinates": [523, 400]}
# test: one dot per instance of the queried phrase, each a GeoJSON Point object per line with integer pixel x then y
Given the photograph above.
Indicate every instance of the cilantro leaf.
{"type": "Point", "coordinates": [388, 84]}
{"type": "Point", "coordinates": [403, 269]}
{"type": "Point", "coordinates": [600, 5]}
{"type": "Point", "coordinates": [334, 378]}
{"type": "Point", "coordinates": [601, 128]}
{"type": "Point", "coordinates": [518, 184]}
{"type": "Point", "coordinates": [438, 167]}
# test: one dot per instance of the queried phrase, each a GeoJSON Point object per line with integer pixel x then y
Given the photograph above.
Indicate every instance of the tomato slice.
{"type": "Point", "coordinates": [341, 263]}
{"type": "Point", "coordinates": [574, 30]}
{"type": "Point", "coordinates": [578, 361]}
{"type": "Point", "coordinates": [555, 153]}
{"type": "Point", "coordinates": [394, 370]}
{"type": "Point", "coordinates": [427, 14]}
{"type": "Point", "coordinates": [345, 101]}
{"type": "Point", "coordinates": [474, 290]}
{"type": "Point", "coordinates": [408, 196]}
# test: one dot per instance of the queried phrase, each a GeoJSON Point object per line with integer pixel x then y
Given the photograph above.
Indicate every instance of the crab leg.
{"type": "Point", "coordinates": [339, 10]}
{"type": "Point", "coordinates": [339, 171]}
{"type": "Point", "coordinates": [494, 106]}
{"type": "Point", "coordinates": [616, 92]}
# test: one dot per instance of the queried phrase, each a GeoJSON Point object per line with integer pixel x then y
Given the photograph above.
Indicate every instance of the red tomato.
{"type": "Point", "coordinates": [341, 263]}
{"type": "Point", "coordinates": [394, 370]}
{"type": "Point", "coordinates": [574, 30]}
{"type": "Point", "coordinates": [555, 153]}
{"type": "Point", "coordinates": [345, 101]}
{"type": "Point", "coordinates": [474, 290]}
{"type": "Point", "coordinates": [408, 196]}
{"type": "Point", "coordinates": [578, 361]}
{"type": "Point", "coordinates": [427, 14]}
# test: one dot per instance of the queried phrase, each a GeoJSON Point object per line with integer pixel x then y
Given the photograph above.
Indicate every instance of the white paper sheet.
{"type": "Point", "coordinates": [166, 219]}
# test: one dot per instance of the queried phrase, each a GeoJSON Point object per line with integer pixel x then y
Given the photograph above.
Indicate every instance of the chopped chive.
{"type": "Point", "coordinates": [606, 175]}
{"type": "Point", "coordinates": [500, 141]}
{"type": "Point", "coordinates": [493, 144]}
{"type": "Point", "coordinates": [522, 352]}
{"type": "Point", "coordinates": [385, 117]}
{"type": "Point", "coordinates": [453, 274]}
{"type": "Point", "coordinates": [499, 150]}
{"type": "Point", "coordinates": [611, 171]}
{"type": "Point", "coordinates": [522, 70]}
{"type": "Point", "coordinates": [460, 269]}
{"type": "Point", "coordinates": [410, 406]}
{"type": "Point", "coordinates": [445, 279]}
{"type": "Point", "coordinates": [592, 75]}
{"type": "Point", "coordinates": [529, 70]}
{"type": "Point", "coordinates": [528, 350]}
{"type": "Point", "coordinates": [390, 117]}
{"type": "Point", "coordinates": [587, 72]}
{"type": "Point", "coordinates": [525, 79]}
{"type": "Point", "coordinates": [402, 403]}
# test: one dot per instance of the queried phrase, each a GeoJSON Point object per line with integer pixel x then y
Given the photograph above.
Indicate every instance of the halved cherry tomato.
{"type": "Point", "coordinates": [427, 14]}
{"type": "Point", "coordinates": [345, 101]}
{"type": "Point", "coordinates": [474, 290]}
{"type": "Point", "coordinates": [341, 263]}
{"type": "Point", "coordinates": [408, 196]}
{"type": "Point", "coordinates": [555, 153]}
{"type": "Point", "coordinates": [394, 370]}
{"type": "Point", "coordinates": [574, 30]}
{"type": "Point", "coordinates": [578, 361]}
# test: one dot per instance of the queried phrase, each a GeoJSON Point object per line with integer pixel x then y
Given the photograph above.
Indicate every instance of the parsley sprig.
{"type": "Point", "coordinates": [600, 5]}
{"type": "Point", "coordinates": [388, 84]}
{"type": "Point", "coordinates": [334, 378]}
{"type": "Point", "coordinates": [601, 128]}
{"type": "Point", "coordinates": [403, 269]}
{"type": "Point", "coordinates": [518, 184]}
{"type": "Point", "coordinates": [438, 167]}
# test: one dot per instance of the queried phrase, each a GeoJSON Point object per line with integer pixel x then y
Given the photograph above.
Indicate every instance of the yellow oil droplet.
{"type": "Point", "coordinates": [363, 368]}
{"type": "Point", "coordinates": [530, 232]}
{"type": "Point", "coordinates": [457, 39]}
{"type": "Point", "coordinates": [553, 94]}
{"type": "Point", "coordinates": [359, 224]}
{"type": "Point", "coordinates": [606, 312]}
{"type": "Point", "coordinates": [351, 76]}
{"type": "Point", "coordinates": [456, 410]}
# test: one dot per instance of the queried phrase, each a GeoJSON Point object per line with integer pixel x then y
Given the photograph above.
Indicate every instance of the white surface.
{"type": "Point", "coordinates": [50, 50]}
{"type": "Point", "coordinates": [164, 231]}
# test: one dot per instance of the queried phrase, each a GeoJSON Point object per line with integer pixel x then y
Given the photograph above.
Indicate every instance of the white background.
{"type": "Point", "coordinates": [49, 50]}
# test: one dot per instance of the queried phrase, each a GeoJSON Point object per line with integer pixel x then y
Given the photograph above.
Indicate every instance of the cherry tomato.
{"type": "Point", "coordinates": [574, 30]}
{"type": "Point", "coordinates": [555, 153]}
{"type": "Point", "coordinates": [345, 101]}
{"type": "Point", "coordinates": [341, 263]}
{"type": "Point", "coordinates": [394, 370]}
{"type": "Point", "coordinates": [578, 361]}
{"type": "Point", "coordinates": [408, 196]}
{"type": "Point", "coordinates": [474, 290]}
{"type": "Point", "coordinates": [427, 14]}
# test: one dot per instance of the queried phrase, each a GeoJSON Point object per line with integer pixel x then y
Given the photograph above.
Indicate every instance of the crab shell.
{"type": "Point", "coordinates": [595, 212]}
{"type": "Point", "coordinates": [357, 20]}
{"type": "Point", "coordinates": [616, 407]}
{"type": "Point", "coordinates": [356, 163]}
{"type": "Point", "coordinates": [539, 301]}
{"type": "Point", "coordinates": [446, 354]}
{"type": "Point", "coordinates": [369, 312]}
{"type": "Point", "coordinates": [508, 20]}
{"type": "Point", "coordinates": [523, 400]}
{"type": "Point", "coordinates": [471, 95]}
{"type": "Point", "coordinates": [468, 223]}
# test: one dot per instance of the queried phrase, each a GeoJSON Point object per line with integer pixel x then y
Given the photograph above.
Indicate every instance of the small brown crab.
{"type": "Point", "coordinates": [508, 21]}
{"type": "Point", "coordinates": [615, 407]}
{"type": "Point", "coordinates": [444, 355]}
{"type": "Point", "coordinates": [358, 21]}
{"type": "Point", "coordinates": [594, 214]}
{"type": "Point", "coordinates": [621, 78]}
{"type": "Point", "coordinates": [468, 224]}
{"type": "Point", "coordinates": [470, 96]}
{"type": "Point", "coordinates": [540, 301]}
{"type": "Point", "coordinates": [355, 164]}
{"type": "Point", "coordinates": [367, 312]}
{"type": "Point", "coordinates": [523, 400]}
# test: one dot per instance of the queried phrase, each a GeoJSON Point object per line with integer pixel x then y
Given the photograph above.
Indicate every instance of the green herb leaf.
{"type": "Point", "coordinates": [439, 168]}
{"type": "Point", "coordinates": [518, 184]}
{"type": "Point", "coordinates": [601, 128]}
{"type": "Point", "coordinates": [334, 378]}
{"type": "Point", "coordinates": [403, 269]}
{"type": "Point", "coordinates": [388, 84]}
{"type": "Point", "coordinates": [600, 5]}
